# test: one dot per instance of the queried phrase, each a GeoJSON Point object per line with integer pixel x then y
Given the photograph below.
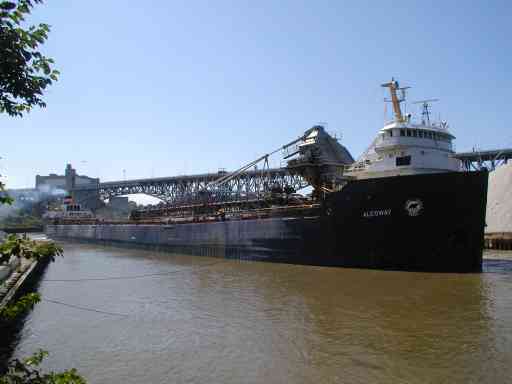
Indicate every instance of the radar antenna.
{"type": "Point", "coordinates": [425, 112]}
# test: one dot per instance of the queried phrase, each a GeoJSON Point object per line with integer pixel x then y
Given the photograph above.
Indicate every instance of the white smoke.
{"type": "Point", "coordinates": [47, 190]}
{"type": "Point", "coordinates": [58, 192]}
{"type": "Point", "coordinates": [24, 200]}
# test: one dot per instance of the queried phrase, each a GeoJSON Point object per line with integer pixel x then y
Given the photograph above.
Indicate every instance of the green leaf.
{"type": "Point", "coordinates": [7, 5]}
{"type": "Point", "coordinates": [6, 200]}
{"type": "Point", "coordinates": [22, 305]}
{"type": "Point", "coordinates": [26, 72]}
{"type": "Point", "coordinates": [27, 371]}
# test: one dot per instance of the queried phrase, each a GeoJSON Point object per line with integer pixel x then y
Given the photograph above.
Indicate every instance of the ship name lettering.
{"type": "Point", "coordinates": [377, 213]}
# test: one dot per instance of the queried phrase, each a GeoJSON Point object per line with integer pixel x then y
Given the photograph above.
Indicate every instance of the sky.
{"type": "Point", "coordinates": [163, 88]}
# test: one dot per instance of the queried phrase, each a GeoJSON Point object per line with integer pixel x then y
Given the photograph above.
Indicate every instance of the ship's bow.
{"type": "Point", "coordinates": [431, 222]}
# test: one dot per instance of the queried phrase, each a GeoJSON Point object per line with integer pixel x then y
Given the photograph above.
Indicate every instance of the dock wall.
{"type": "Point", "coordinates": [20, 281]}
{"type": "Point", "coordinates": [7, 269]}
{"type": "Point", "coordinates": [498, 240]}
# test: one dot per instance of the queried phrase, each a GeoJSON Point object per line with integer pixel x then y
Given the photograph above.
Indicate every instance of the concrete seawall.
{"type": "Point", "coordinates": [21, 280]}
{"type": "Point", "coordinates": [7, 269]}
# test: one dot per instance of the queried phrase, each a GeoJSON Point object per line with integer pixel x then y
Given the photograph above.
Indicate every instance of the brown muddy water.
{"type": "Point", "coordinates": [140, 316]}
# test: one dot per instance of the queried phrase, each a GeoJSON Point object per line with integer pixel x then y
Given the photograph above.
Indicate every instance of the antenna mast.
{"type": "Point", "coordinates": [395, 100]}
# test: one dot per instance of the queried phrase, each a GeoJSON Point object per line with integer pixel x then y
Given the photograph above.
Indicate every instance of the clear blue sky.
{"type": "Point", "coordinates": [162, 88]}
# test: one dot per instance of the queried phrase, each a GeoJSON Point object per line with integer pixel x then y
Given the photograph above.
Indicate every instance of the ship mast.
{"type": "Point", "coordinates": [395, 100]}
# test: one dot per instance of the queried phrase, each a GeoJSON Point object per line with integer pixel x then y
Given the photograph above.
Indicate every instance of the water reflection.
{"type": "Point", "coordinates": [203, 319]}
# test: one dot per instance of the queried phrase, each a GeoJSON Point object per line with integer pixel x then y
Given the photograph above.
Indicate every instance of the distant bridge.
{"type": "Point", "coordinates": [477, 160]}
{"type": "Point", "coordinates": [183, 189]}
{"type": "Point", "coordinates": [251, 184]}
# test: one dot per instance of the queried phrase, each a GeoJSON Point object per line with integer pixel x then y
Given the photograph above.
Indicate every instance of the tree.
{"type": "Point", "coordinates": [24, 247]}
{"type": "Point", "coordinates": [26, 372]}
{"type": "Point", "coordinates": [24, 71]}
{"type": "Point", "coordinates": [24, 75]}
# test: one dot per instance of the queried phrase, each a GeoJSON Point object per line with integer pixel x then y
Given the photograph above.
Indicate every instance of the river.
{"type": "Point", "coordinates": [123, 315]}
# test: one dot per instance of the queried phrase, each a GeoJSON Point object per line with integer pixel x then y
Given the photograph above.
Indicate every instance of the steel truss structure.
{"type": "Point", "coordinates": [187, 189]}
{"type": "Point", "coordinates": [478, 160]}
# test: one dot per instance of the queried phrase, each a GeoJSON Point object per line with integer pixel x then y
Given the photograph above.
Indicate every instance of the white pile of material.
{"type": "Point", "coordinates": [499, 200]}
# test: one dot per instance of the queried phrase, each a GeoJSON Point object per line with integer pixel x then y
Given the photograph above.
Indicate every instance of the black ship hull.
{"type": "Point", "coordinates": [431, 222]}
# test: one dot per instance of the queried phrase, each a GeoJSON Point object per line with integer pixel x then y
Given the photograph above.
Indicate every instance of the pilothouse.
{"type": "Point", "coordinates": [407, 147]}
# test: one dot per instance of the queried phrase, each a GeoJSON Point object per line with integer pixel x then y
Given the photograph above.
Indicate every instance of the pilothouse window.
{"type": "Point", "coordinates": [404, 160]}
{"type": "Point", "coordinates": [402, 132]}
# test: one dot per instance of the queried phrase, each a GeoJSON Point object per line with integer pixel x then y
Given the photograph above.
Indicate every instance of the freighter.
{"type": "Point", "coordinates": [404, 204]}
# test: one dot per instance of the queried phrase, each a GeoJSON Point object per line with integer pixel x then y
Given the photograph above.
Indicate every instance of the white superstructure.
{"type": "Point", "coordinates": [404, 147]}
{"type": "Point", "coordinates": [69, 211]}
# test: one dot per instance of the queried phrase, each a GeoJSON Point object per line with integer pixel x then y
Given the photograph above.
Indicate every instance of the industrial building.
{"type": "Point", "coordinates": [67, 182]}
